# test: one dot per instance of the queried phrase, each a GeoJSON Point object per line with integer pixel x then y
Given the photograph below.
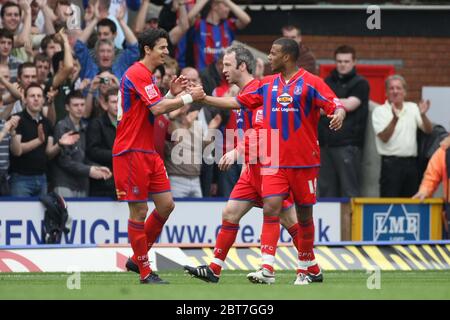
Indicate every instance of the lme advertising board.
{"type": "Point", "coordinates": [396, 219]}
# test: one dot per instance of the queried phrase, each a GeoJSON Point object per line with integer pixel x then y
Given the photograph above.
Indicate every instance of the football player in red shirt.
{"type": "Point", "coordinates": [138, 169]}
{"type": "Point", "coordinates": [238, 66]}
{"type": "Point", "coordinates": [292, 100]}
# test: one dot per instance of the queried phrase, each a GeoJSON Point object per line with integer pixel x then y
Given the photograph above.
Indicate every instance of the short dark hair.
{"type": "Point", "coordinates": [33, 85]}
{"type": "Point", "coordinates": [47, 39]}
{"type": "Point", "coordinates": [24, 66]}
{"type": "Point", "coordinates": [41, 57]}
{"type": "Point", "coordinates": [5, 33]}
{"type": "Point", "coordinates": [111, 92]}
{"type": "Point", "coordinates": [74, 94]}
{"type": "Point", "coordinates": [345, 49]}
{"type": "Point", "coordinates": [107, 23]}
{"type": "Point", "coordinates": [289, 47]}
{"type": "Point", "coordinates": [243, 55]}
{"type": "Point", "coordinates": [8, 5]}
{"type": "Point", "coordinates": [149, 38]}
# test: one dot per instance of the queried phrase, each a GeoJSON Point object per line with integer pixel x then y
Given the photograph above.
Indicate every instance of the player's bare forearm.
{"type": "Point", "coordinates": [166, 106]}
{"type": "Point", "coordinates": [222, 102]}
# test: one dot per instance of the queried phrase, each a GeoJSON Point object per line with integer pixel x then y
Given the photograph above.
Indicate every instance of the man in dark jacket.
{"type": "Point", "coordinates": [72, 171]}
{"type": "Point", "coordinates": [101, 133]}
{"type": "Point", "coordinates": [341, 151]}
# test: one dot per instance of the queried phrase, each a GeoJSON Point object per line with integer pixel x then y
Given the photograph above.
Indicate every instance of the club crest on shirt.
{"type": "Point", "coordinates": [259, 116]}
{"type": "Point", "coordinates": [151, 91]}
{"type": "Point", "coordinates": [285, 99]}
{"type": "Point", "coordinates": [298, 90]}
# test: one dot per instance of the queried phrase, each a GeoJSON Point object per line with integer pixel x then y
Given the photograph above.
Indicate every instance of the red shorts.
{"type": "Point", "coordinates": [299, 182]}
{"type": "Point", "coordinates": [138, 174]}
{"type": "Point", "coordinates": [248, 187]}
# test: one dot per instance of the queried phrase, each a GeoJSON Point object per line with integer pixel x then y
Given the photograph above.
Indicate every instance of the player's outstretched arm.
{"type": "Point", "coordinates": [167, 105]}
{"type": "Point", "coordinates": [222, 102]}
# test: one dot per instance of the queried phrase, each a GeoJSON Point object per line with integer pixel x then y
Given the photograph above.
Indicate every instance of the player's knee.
{"type": "Point", "coordinates": [138, 217]}
{"type": "Point", "coordinates": [272, 208]}
{"type": "Point", "coordinates": [139, 213]}
{"type": "Point", "coordinates": [166, 209]}
{"type": "Point", "coordinates": [288, 218]}
{"type": "Point", "coordinates": [229, 215]}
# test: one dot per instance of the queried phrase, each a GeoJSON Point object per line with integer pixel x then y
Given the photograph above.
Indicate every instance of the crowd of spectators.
{"type": "Point", "coordinates": [60, 71]}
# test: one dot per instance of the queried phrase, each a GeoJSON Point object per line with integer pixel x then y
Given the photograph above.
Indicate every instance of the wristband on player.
{"type": "Point", "coordinates": [169, 95]}
{"type": "Point", "coordinates": [187, 98]}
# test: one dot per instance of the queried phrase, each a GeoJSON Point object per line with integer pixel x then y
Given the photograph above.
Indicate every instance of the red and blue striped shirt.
{"type": "Point", "coordinates": [138, 93]}
{"type": "Point", "coordinates": [293, 109]}
{"type": "Point", "coordinates": [211, 40]}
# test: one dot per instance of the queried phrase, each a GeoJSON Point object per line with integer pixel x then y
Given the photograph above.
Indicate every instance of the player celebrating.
{"type": "Point", "coordinates": [291, 99]}
{"type": "Point", "coordinates": [138, 169]}
{"type": "Point", "coordinates": [238, 65]}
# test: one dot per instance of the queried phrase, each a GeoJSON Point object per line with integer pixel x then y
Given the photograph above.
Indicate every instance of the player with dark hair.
{"type": "Point", "coordinates": [238, 66]}
{"type": "Point", "coordinates": [138, 169]}
{"type": "Point", "coordinates": [291, 99]}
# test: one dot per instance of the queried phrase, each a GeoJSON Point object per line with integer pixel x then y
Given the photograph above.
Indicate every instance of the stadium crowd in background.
{"type": "Point", "coordinates": [82, 48]}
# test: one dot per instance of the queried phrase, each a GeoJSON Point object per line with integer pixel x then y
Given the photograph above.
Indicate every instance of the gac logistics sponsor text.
{"type": "Point", "coordinates": [106, 223]}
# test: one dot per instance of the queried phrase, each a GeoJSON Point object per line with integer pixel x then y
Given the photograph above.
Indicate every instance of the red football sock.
{"type": "Point", "coordinates": [138, 241]}
{"type": "Point", "coordinates": [153, 227]}
{"type": "Point", "coordinates": [294, 232]}
{"type": "Point", "coordinates": [269, 240]}
{"type": "Point", "coordinates": [224, 241]}
{"type": "Point", "coordinates": [306, 245]}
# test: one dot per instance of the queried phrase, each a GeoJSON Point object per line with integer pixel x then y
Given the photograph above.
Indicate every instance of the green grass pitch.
{"type": "Point", "coordinates": [233, 285]}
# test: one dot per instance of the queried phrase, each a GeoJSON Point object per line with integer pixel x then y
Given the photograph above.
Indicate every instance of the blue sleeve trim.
{"type": "Point", "coordinates": [154, 103]}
